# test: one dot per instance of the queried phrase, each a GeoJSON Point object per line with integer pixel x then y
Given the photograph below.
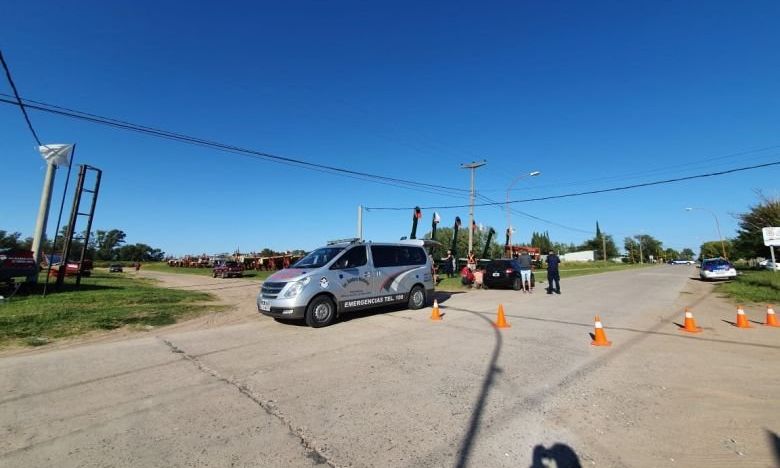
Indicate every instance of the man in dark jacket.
{"type": "Point", "coordinates": [553, 275]}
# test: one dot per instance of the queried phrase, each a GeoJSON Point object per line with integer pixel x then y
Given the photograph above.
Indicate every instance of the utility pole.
{"type": "Point", "coordinates": [55, 155]}
{"type": "Point", "coordinates": [360, 222]}
{"type": "Point", "coordinates": [641, 257]}
{"type": "Point", "coordinates": [473, 165]}
{"type": "Point", "coordinates": [43, 211]}
{"type": "Point", "coordinates": [604, 246]}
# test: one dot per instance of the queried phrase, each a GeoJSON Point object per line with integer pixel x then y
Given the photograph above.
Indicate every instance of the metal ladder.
{"type": "Point", "coordinates": [74, 216]}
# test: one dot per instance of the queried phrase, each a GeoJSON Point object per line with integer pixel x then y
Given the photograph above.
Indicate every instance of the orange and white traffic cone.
{"type": "Point", "coordinates": [435, 315]}
{"type": "Point", "coordinates": [599, 337]}
{"type": "Point", "coordinates": [771, 319]}
{"type": "Point", "coordinates": [742, 321]}
{"type": "Point", "coordinates": [500, 319]}
{"type": "Point", "coordinates": [690, 322]}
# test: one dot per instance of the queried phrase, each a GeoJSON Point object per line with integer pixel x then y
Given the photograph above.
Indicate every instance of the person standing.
{"type": "Point", "coordinates": [449, 264]}
{"type": "Point", "coordinates": [472, 261]}
{"type": "Point", "coordinates": [525, 271]}
{"type": "Point", "coordinates": [553, 274]}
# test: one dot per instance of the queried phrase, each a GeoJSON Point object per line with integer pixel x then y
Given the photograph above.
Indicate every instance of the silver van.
{"type": "Point", "coordinates": [349, 275]}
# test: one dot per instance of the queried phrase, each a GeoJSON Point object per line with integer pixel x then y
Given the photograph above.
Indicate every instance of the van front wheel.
{"type": "Point", "coordinates": [416, 298]}
{"type": "Point", "coordinates": [321, 312]}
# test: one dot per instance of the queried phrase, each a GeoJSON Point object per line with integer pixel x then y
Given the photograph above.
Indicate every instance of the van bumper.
{"type": "Point", "coordinates": [285, 312]}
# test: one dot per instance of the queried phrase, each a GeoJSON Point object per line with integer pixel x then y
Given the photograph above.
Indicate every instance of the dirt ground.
{"type": "Point", "coordinates": [394, 389]}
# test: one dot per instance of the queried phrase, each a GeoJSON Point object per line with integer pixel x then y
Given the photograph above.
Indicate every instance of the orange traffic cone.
{"type": "Point", "coordinates": [771, 320]}
{"type": "Point", "coordinates": [500, 319]}
{"type": "Point", "coordinates": [742, 321]}
{"type": "Point", "coordinates": [599, 337]}
{"type": "Point", "coordinates": [690, 322]}
{"type": "Point", "coordinates": [435, 313]}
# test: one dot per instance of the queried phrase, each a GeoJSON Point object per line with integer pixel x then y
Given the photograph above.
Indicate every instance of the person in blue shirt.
{"type": "Point", "coordinates": [553, 275]}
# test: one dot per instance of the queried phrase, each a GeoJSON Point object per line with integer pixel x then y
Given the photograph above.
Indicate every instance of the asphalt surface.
{"type": "Point", "coordinates": [394, 389]}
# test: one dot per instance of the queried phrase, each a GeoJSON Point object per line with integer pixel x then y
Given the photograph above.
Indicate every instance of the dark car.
{"type": "Point", "coordinates": [228, 269]}
{"type": "Point", "coordinates": [503, 273]}
{"type": "Point", "coordinates": [17, 263]}
{"type": "Point", "coordinates": [115, 268]}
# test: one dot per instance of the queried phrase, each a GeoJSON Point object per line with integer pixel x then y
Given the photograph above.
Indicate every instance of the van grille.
{"type": "Point", "coordinates": [271, 290]}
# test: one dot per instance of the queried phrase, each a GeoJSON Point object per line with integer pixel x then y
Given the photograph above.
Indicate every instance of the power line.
{"type": "Point", "coordinates": [166, 134]}
{"type": "Point", "coordinates": [19, 99]}
{"type": "Point", "coordinates": [590, 192]}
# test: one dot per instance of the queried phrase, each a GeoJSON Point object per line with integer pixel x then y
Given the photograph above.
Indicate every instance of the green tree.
{"type": "Point", "coordinates": [749, 242]}
{"type": "Point", "coordinates": [140, 253]}
{"type": "Point", "coordinates": [713, 249]}
{"type": "Point", "coordinates": [10, 240]}
{"type": "Point", "coordinates": [107, 243]}
{"type": "Point", "coordinates": [598, 245]}
{"type": "Point", "coordinates": [687, 254]}
{"type": "Point", "coordinates": [541, 240]}
{"type": "Point", "coordinates": [649, 246]}
{"type": "Point", "coordinates": [671, 254]}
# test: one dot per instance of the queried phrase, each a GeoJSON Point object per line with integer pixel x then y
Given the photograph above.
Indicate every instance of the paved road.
{"type": "Point", "coordinates": [394, 389]}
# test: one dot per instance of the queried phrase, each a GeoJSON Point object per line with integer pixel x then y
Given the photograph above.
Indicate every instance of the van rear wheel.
{"type": "Point", "coordinates": [320, 312]}
{"type": "Point", "coordinates": [517, 284]}
{"type": "Point", "coordinates": [417, 298]}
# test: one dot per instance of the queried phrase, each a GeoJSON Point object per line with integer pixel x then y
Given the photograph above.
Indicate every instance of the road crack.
{"type": "Point", "coordinates": [268, 406]}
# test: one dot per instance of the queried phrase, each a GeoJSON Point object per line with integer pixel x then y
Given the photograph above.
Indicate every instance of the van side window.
{"type": "Point", "coordinates": [384, 255]}
{"type": "Point", "coordinates": [353, 258]}
{"type": "Point", "coordinates": [412, 256]}
{"type": "Point", "coordinates": [393, 255]}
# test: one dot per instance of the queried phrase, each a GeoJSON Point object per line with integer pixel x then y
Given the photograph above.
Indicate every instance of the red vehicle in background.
{"type": "Point", "coordinates": [228, 269]}
{"type": "Point", "coordinates": [17, 263]}
{"type": "Point", "coordinates": [72, 268]}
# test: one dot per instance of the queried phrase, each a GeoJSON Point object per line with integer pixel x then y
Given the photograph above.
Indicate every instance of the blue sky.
{"type": "Point", "coordinates": [593, 94]}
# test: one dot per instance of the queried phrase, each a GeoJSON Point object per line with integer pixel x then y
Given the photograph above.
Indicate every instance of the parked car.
{"type": "Point", "coordinates": [770, 265]}
{"type": "Point", "coordinates": [717, 268]}
{"type": "Point", "coordinates": [682, 262]}
{"type": "Point", "coordinates": [72, 268]}
{"type": "Point", "coordinates": [17, 263]}
{"type": "Point", "coordinates": [115, 268]}
{"type": "Point", "coordinates": [504, 273]}
{"type": "Point", "coordinates": [228, 269]}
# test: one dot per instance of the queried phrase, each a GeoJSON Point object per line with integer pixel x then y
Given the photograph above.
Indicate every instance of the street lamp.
{"type": "Point", "coordinates": [473, 165]}
{"type": "Point", "coordinates": [717, 226]}
{"type": "Point", "coordinates": [508, 211]}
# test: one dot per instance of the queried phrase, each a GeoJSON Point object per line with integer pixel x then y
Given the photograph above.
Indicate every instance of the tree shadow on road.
{"type": "Point", "coordinates": [444, 296]}
{"type": "Point", "coordinates": [563, 456]}
{"type": "Point", "coordinates": [467, 444]}
{"type": "Point", "coordinates": [774, 445]}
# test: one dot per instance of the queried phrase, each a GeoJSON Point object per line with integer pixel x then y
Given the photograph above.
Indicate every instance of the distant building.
{"type": "Point", "coordinates": [581, 256]}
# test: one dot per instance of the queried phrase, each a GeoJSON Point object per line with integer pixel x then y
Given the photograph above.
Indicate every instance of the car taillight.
{"type": "Point", "coordinates": [508, 271]}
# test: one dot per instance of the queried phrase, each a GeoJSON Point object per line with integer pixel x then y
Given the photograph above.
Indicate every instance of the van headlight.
{"type": "Point", "coordinates": [296, 287]}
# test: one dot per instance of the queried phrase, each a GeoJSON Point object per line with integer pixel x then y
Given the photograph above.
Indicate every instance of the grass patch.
{"type": "Point", "coordinates": [104, 302]}
{"type": "Point", "coordinates": [165, 268]}
{"type": "Point", "coordinates": [753, 286]}
{"type": "Point", "coordinates": [568, 270]}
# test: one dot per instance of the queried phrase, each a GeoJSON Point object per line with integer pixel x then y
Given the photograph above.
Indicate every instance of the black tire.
{"type": "Point", "coordinates": [214, 275]}
{"type": "Point", "coordinates": [417, 298]}
{"type": "Point", "coordinates": [320, 312]}
{"type": "Point", "coordinates": [517, 284]}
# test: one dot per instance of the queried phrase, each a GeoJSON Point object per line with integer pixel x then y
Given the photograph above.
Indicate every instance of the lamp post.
{"type": "Point", "coordinates": [717, 226]}
{"type": "Point", "coordinates": [473, 165]}
{"type": "Point", "coordinates": [508, 210]}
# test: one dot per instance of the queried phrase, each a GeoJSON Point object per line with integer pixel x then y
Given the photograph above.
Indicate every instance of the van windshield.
{"type": "Point", "coordinates": [318, 258]}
